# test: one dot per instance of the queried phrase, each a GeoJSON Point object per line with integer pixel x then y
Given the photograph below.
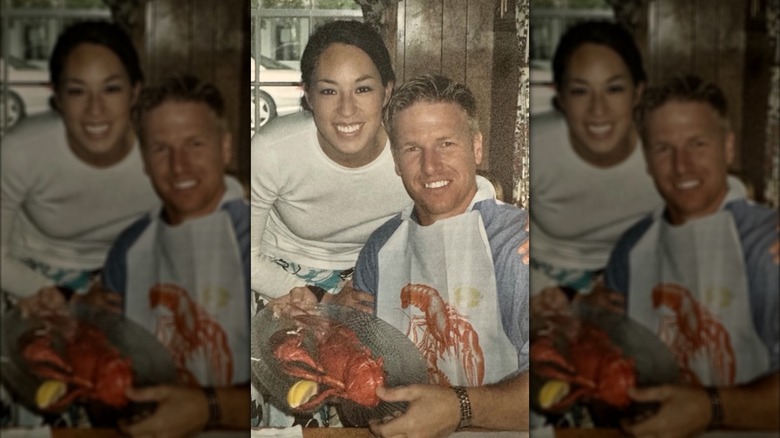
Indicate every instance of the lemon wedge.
{"type": "Point", "coordinates": [49, 392]}
{"type": "Point", "coordinates": [301, 392]}
{"type": "Point", "coordinates": [552, 392]}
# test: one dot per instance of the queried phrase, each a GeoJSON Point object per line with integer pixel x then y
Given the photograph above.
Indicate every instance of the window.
{"type": "Point", "coordinates": [280, 30]}
{"type": "Point", "coordinates": [29, 31]}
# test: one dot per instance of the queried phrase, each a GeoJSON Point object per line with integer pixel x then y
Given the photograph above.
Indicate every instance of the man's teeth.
{"type": "Point", "coordinates": [436, 185]}
{"type": "Point", "coordinates": [599, 129]}
{"type": "Point", "coordinates": [684, 185]}
{"type": "Point", "coordinates": [347, 129]}
{"type": "Point", "coordinates": [96, 129]}
{"type": "Point", "coordinates": [182, 185]}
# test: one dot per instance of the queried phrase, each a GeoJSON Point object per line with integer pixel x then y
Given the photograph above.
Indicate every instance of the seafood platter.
{"type": "Point", "coordinates": [592, 357]}
{"type": "Point", "coordinates": [331, 354]}
{"type": "Point", "coordinates": [89, 357]}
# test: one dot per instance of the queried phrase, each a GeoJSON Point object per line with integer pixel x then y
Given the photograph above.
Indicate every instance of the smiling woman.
{"type": "Point", "coordinates": [323, 179]}
{"type": "Point", "coordinates": [72, 180]}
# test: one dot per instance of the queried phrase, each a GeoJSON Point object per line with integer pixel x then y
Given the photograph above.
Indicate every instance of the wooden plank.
{"type": "Point", "coordinates": [454, 42]}
{"type": "Point", "coordinates": [171, 31]}
{"type": "Point", "coordinates": [673, 34]}
{"type": "Point", "coordinates": [423, 34]}
{"type": "Point", "coordinates": [479, 63]}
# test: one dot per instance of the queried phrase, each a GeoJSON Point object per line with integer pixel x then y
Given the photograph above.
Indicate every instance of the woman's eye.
{"type": "Point", "coordinates": [116, 88]}
{"type": "Point", "coordinates": [616, 88]}
{"type": "Point", "coordinates": [74, 91]}
{"type": "Point", "coordinates": [577, 91]}
{"type": "Point", "coordinates": [364, 89]}
{"type": "Point", "coordinates": [328, 91]}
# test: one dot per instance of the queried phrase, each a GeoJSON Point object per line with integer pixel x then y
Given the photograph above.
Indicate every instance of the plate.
{"type": "Point", "coordinates": [403, 363]}
{"type": "Point", "coordinates": [654, 363]}
{"type": "Point", "coordinates": [151, 361]}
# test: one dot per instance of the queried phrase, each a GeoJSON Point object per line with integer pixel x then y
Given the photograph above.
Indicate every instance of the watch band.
{"type": "Point", "coordinates": [716, 406]}
{"type": "Point", "coordinates": [465, 406]}
{"type": "Point", "coordinates": [215, 414]}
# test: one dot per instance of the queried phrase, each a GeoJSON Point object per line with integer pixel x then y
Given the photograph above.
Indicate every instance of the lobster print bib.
{"type": "Point", "coordinates": [187, 287]}
{"type": "Point", "coordinates": [688, 285]}
{"type": "Point", "coordinates": [437, 285]}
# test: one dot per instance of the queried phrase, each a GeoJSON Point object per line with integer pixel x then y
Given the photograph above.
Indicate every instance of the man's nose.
{"type": "Point", "coordinates": [430, 160]}
{"type": "Point", "coordinates": [681, 159]}
{"type": "Point", "coordinates": [179, 160]}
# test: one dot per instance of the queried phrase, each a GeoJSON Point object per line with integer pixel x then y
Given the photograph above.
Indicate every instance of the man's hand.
{"type": "Point", "coordinates": [181, 411]}
{"type": "Point", "coordinates": [433, 411]}
{"type": "Point", "coordinates": [46, 303]}
{"type": "Point", "coordinates": [351, 297]}
{"type": "Point", "coordinates": [684, 412]}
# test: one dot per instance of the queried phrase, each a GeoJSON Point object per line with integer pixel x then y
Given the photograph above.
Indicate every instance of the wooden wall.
{"type": "Point", "coordinates": [471, 41]}
{"type": "Point", "coordinates": [724, 41]}
{"type": "Point", "coordinates": [209, 40]}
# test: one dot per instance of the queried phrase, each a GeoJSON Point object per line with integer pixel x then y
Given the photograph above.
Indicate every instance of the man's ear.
{"type": "Point", "coordinates": [227, 147]}
{"type": "Point", "coordinates": [388, 93]}
{"type": "Point", "coordinates": [477, 140]}
{"type": "Point", "coordinates": [730, 147]}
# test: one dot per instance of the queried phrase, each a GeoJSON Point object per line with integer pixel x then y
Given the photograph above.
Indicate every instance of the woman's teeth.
{"type": "Point", "coordinates": [96, 129]}
{"type": "Point", "coordinates": [599, 129]}
{"type": "Point", "coordinates": [347, 129]}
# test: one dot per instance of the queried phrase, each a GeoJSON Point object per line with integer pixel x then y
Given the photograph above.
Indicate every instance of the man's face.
{"type": "Point", "coordinates": [437, 157]}
{"type": "Point", "coordinates": [185, 151]}
{"type": "Point", "coordinates": [688, 150]}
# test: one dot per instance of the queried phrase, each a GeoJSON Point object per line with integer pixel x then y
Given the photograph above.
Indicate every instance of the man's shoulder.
{"type": "Point", "coordinates": [756, 224]}
{"type": "Point", "coordinates": [500, 217]}
{"type": "Point", "coordinates": [129, 235]}
{"type": "Point", "coordinates": [381, 235]}
{"type": "Point", "coordinates": [631, 236]}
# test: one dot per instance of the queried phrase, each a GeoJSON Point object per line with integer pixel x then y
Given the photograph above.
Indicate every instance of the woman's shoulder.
{"type": "Point", "coordinates": [42, 132]}
{"type": "Point", "coordinates": [284, 129]}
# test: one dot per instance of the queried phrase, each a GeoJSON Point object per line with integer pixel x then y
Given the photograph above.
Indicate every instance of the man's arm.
{"type": "Point", "coordinates": [687, 410]}
{"type": "Point", "coordinates": [435, 410]}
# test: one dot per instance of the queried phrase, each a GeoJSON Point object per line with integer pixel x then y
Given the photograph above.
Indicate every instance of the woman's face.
{"type": "Point", "coordinates": [597, 97]}
{"type": "Point", "coordinates": [94, 97]}
{"type": "Point", "coordinates": [346, 96]}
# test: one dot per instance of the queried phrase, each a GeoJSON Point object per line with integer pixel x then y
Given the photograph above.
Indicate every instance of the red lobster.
{"type": "Point", "coordinates": [343, 364]}
{"type": "Point", "coordinates": [594, 366]}
{"type": "Point", "coordinates": [89, 364]}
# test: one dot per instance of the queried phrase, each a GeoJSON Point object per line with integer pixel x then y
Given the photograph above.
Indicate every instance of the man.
{"type": "Point", "coordinates": [183, 270]}
{"type": "Point", "coordinates": [701, 273]}
{"type": "Point", "coordinates": [449, 270]}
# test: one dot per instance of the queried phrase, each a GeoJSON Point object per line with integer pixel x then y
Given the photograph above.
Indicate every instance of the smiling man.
{"type": "Point", "coordinates": [183, 270]}
{"type": "Point", "coordinates": [701, 272]}
{"type": "Point", "coordinates": [448, 270]}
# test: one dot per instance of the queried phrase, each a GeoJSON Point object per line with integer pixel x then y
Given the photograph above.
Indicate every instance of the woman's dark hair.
{"type": "Point", "coordinates": [604, 33]}
{"type": "Point", "coordinates": [353, 33]}
{"type": "Point", "coordinates": [102, 33]}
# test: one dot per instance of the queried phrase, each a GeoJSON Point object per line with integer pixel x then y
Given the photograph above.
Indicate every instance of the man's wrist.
{"type": "Point", "coordinates": [465, 406]}
{"type": "Point", "coordinates": [716, 408]}
{"type": "Point", "coordinates": [212, 403]}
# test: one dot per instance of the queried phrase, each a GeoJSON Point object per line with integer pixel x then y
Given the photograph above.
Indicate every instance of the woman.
{"type": "Point", "coordinates": [324, 179]}
{"type": "Point", "coordinates": [588, 179]}
{"type": "Point", "coordinates": [72, 181]}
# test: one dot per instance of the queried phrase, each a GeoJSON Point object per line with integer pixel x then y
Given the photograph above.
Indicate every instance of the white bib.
{"type": "Point", "coordinates": [187, 285]}
{"type": "Point", "coordinates": [688, 284]}
{"type": "Point", "coordinates": [437, 284]}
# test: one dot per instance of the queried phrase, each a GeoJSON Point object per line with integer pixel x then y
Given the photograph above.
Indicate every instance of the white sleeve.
{"type": "Point", "coordinates": [268, 279]}
{"type": "Point", "coordinates": [17, 279]}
